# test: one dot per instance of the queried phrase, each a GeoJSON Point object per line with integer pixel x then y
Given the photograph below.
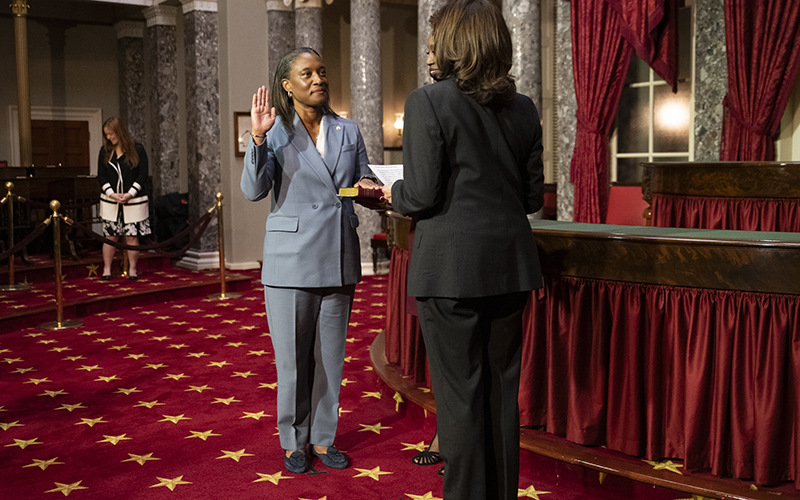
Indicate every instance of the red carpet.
{"type": "Point", "coordinates": [177, 401]}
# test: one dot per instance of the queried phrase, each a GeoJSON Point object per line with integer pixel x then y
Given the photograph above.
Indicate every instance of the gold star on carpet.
{"type": "Point", "coordinates": [349, 359]}
{"type": "Point", "coordinates": [258, 353]}
{"type": "Point", "coordinates": [272, 478]}
{"type": "Point", "coordinates": [230, 321]}
{"type": "Point", "coordinates": [198, 388]}
{"type": "Point", "coordinates": [92, 421]}
{"type": "Point", "coordinates": [665, 465]}
{"type": "Point", "coordinates": [160, 339]}
{"type": "Point", "coordinates": [268, 386]}
{"type": "Point", "coordinates": [155, 366]}
{"type": "Point", "coordinates": [375, 330]}
{"type": "Point", "coordinates": [47, 341]}
{"type": "Point", "coordinates": [4, 350]}
{"type": "Point", "coordinates": [530, 492]}
{"type": "Point", "coordinates": [24, 370]}
{"type": "Point", "coordinates": [227, 401]}
{"type": "Point", "coordinates": [66, 489]}
{"type": "Point", "coordinates": [118, 347]}
{"type": "Point", "coordinates": [345, 382]}
{"type": "Point", "coordinates": [398, 399]}
{"type": "Point", "coordinates": [146, 330]}
{"type": "Point", "coordinates": [418, 447]}
{"type": "Point", "coordinates": [126, 392]}
{"type": "Point", "coordinates": [372, 473]}
{"type": "Point", "coordinates": [163, 317]}
{"type": "Point", "coordinates": [7, 426]}
{"type": "Point", "coordinates": [60, 349]}
{"type": "Point", "coordinates": [148, 404]}
{"type": "Point", "coordinates": [113, 439]}
{"type": "Point", "coordinates": [34, 335]}
{"type": "Point", "coordinates": [351, 340]}
{"type": "Point", "coordinates": [197, 355]}
{"type": "Point", "coordinates": [202, 435]}
{"type": "Point", "coordinates": [12, 360]}
{"type": "Point", "coordinates": [174, 418]}
{"type": "Point", "coordinates": [195, 311]}
{"type": "Point", "coordinates": [53, 394]}
{"type": "Point", "coordinates": [73, 358]}
{"type": "Point", "coordinates": [113, 319]}
{"type": "Point", "coordinates": [106, 379]}
{"type": "Point", "coordinates": [90, 333]}
{"type": "Point", "coordinates": [140, 458]}
{"type": "Point", "coordinates": [176, 376]}
{"type": "Point", "coordinates": [22, 443]}
{"type": "Point", "coordinates": [128, 325]}
{"type": "Point", "coordinates": [214, 336]}
{"type": "Point", "coordinates": [219, 364]}
{"type": "Point", "coordinates": [69, 408]}
{"type": "Point", "coordinates": [211, 315]}
{"type": "Point", "coordinates": [247, 327]}
{"type": "Point", "coordinates": [37, 381]}
{"type": "Point", "coordinates": [43, 464]}
{"type": "Point", "coordinates": [377, 428]}
{"type": "Point", "coordinates": [342, 410]}
{"type": "Point", "coordinates": [235, 344]}
{"type": "Point", "coordinates": [426, 496]}
{"type": "Point", "coordinates": [170, 483]}
{"type": "Point", "coordinates": [425, 390]}
{"type": "Point", "coordinates": [368, 394]}
{"type": "Point", "coordinates": [323, 498]}
{"type": "Point", "coordinates": [92, 270]}
{"type": "Point", "coordinates": [177, 346]}
{"type": "Point", "coordinates": [256, 416]}
{"type": "Point", "coordinates": [89, 368]}
{"type": "Point", "coordinates": [135, 356]}
{"type": "Point", "coordinates": [236, 455]}
{"type": "Point", "coordinates": [243, 374]}
{"type": "Point", "coordinates": [103, 341]}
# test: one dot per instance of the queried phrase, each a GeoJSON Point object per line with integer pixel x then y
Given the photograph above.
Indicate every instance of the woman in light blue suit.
{"type": "Point", "coordinates": [302, 153]}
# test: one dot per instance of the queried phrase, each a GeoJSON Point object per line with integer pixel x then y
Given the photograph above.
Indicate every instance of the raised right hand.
{"type": "Point", "coordinates": [262, 117]}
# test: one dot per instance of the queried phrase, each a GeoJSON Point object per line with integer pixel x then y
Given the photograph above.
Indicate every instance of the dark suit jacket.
{"type": "Point", "coordinates": [471, 174]}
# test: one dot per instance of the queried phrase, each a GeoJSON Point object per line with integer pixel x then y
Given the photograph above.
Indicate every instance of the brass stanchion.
{"type": "Point", "coordinates": [221, 239]}
{"type": "Point", "coordinates": [12, 287]}
{"type": "Point", "coordinates": [59, 323]}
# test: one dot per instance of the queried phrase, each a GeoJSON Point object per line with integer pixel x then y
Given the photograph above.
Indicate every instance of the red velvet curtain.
{"type": "Point", "coordinates": [651, 27]}
{"type": "Point", "coordinates": [743, 214]}
{"type": "Point", "coordinates": [403, 337]}
{"type": "Point", "coordinates": [600, 59]}
{"type": "Point", "coordinates": [708, 376]}
{"type": "Point", "coordinates": [762, 40]}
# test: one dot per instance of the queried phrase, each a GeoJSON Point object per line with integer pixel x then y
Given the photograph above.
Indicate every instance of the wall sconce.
{"type": "Point", "coordinates": [398, 123]}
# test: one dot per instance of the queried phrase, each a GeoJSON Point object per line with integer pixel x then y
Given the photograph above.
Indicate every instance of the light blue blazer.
{"type": "Point", "coordinates": [311, 238]}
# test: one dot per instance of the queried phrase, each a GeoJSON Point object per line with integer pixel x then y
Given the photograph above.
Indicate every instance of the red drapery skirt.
{"type": "Point", "coordinates": [744, 214]}
{"type": "Point", "coordinates": [707, 376]}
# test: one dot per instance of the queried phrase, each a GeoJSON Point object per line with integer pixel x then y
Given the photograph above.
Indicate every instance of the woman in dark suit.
{"type": "Point", "coordinates": [302, 153]}
{"type": "Point", "coordinates": [472, 159]}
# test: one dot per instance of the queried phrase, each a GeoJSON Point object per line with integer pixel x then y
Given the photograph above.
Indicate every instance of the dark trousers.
{"type": "Point", "coordinates": [474, 347]}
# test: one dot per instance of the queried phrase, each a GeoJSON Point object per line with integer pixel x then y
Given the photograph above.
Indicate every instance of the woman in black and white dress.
{"type": "Point", "coordinates": [122, 172]}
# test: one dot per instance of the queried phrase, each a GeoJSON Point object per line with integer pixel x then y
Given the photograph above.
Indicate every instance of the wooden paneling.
{"type": "Point", "coordinates": [64, 143]}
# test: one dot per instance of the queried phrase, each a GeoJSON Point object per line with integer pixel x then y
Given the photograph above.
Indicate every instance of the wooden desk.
{"type": "Point", "coordinates": [757, 196]}
{"type": "Point", "coordinates": [658, 343]}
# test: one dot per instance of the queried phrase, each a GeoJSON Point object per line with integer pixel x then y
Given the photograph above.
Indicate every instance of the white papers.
{"type": "Point", "coordinates": [387, 174]}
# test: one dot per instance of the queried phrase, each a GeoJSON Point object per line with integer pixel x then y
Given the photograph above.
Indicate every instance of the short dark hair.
{"type": "Point", "coordinates": [280, 98]}
{"type": "Point", "coordinates": [471, 44]}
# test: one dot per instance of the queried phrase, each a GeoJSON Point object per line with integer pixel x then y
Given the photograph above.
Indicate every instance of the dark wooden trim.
{"type": "Point", "coordinates": [722, 179]}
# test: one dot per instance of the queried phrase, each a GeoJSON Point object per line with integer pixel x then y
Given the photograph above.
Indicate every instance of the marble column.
{"type": "Point", "coordinates": [130, 50]}
{"type": "Point", "coordinates": [524, 20]}
{"type": "Point", "coordinates": [163, 102]}
{"type": "Point", "coordinates": [280, 34]}
{"type": "Point", "coordinates": [711, 78]}
{"type": "Point", "coordinates": [565, 111]}
{"type": "Point", "coordinates": [366, 100]}
{"type": "Point", "coordinates": [201, 42]}
{"type": "Point", "coordinates": [308, 24]}
{"type": "Point", "coordinates": [425, 8]}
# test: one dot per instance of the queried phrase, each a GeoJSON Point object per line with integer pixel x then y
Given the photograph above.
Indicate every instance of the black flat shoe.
{"type": "Point", "coordinates": [296, 462]}
{"type": "Point", "coordinates": [106, 277]}
{"type": "Point", "coordinates": [334, 459]}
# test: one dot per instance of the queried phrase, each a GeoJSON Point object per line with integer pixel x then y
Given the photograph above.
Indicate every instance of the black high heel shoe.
{"type": "Point", "coordinates": [428, 457]}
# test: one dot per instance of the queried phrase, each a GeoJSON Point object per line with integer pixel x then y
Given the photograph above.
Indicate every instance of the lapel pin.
{"type": "Point", "coordinates": [338, 127]}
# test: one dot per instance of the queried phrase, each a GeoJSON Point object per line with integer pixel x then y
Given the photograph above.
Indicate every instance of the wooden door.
{"type": "Point", "coordinates": [59, 142]}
